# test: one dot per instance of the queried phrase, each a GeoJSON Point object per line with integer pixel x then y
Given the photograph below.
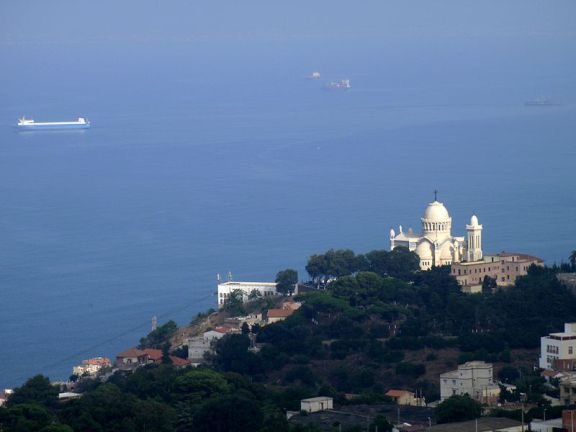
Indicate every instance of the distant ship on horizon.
{"type": "Point", "coordinates": [541, 101]}
{"type": "Point", "coordinates": [342, 84]}
{"type": "Point", "coordinates": [29, 124]}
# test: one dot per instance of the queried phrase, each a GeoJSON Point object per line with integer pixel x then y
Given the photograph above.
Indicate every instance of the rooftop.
{"type": "Point", "coordinates": [485, 424]}
{"type": "Point", "coordinates": [397, 393]}
{"type": "Point", "coordinates": [279, 313]}
{"type": "Point", "coordinates": [132, 352]}
{"type": "Point", "coordinates": [317, 399]}
{"type": "Point", "coordinates": [269, 284]}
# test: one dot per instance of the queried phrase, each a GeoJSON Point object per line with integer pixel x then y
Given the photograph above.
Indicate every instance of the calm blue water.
{"type": "Point", "coordinates": [204, 160]}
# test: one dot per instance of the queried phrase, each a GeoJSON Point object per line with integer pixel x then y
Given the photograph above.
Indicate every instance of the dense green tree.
{"type": "Point", "coordinates": [402, 263]}
{"type": "Point", "coordinates": [37, 389]}
{"type": "Point", "coordinates": [333, 264]}
{"type": "Point", "coordinates": [152, 415]}
{"type": "Point", "coordinates": [229, 413]}
{"type": "Point", "coordinates": [200, 384]}
{"type": "Point", "coordinates": [234, 303]}
{"type": "Point", "coordinates": [488, 285]}
{"type": "Point", "coordinates": [232, 355]}
{"type": "Point", "coordinates": [245, 328]}
{"type": "Point", "coordinates": [572, 260]}
{"type": "Point", "coordinates": [28, 416]}
{"type": "Point", "coordinates": [316, 268]}
{"type": "Point", "coordinates": [457, 408]}
{"type": "Point", "coordinates": [303, 374]}
{"type": "Point", "coordinates": [57, 428]}
{"type": "Point", "coordinates": [254, 294]}
{"type": "Point", "coordinates": [509, 374]}
{"type": "Point", "coordinates": [286, 281]}
{"type": "Point", "coordinates": [157, 338]}
{"type": "Point", "coordinates": [411, 369]}
{"type": "Point", "coordinates": [381, 424]}
{"type": "Point", "coordinates": [166, 353]}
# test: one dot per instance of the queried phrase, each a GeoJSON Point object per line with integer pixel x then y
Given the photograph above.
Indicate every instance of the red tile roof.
{"type": "Point", "coordinates": [132, 352]}
{"type": "Point", "coordinates": [550, 373]}
{"type": "Point", "coordinates": [397, 393]}
{"type": "Point", "coordinates": [177, 361]}
{"type": "Point", "coordinates": [279, 313]}
{"type": "Point", "coordinates": [154, 354]}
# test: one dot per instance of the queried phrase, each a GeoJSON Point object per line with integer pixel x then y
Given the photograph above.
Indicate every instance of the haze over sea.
{"type": "Point", "coordinates": [211, 151]}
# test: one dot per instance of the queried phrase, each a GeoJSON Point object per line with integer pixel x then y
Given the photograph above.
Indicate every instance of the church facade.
{"type": "Point", "coordinates": [436, 246]}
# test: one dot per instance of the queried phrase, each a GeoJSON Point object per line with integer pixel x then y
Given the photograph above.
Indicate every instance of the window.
{"type": "Point", "coordinates": [570, 350]}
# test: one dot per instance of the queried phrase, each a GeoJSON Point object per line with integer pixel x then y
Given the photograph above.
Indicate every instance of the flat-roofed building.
{"type": "Point", "coordinates": [558, 350]}
{"type": "Point", "coordinates": [316, 404]}
{"type": "Point", "coordinates": [248, 289]}
{"type": "Point", "coordinates": [91, 366]}
{"type": "Point", "coordinates": [475, 378]}
{"type": "Point", "coordinates": [504, 268]}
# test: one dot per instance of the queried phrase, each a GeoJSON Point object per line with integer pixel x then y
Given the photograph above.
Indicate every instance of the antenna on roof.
{"type": "Point", "coordinates": [229, 276]}
{"type": "Point", "coordinates": [435, 195]}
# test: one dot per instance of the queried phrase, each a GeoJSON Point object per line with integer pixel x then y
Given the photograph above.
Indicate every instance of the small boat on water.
{"type": "Point", "coordinates": [541, 101]}
{"type": "Point", "coordinates": [315, 75]}
{"type": "Point", "coordinates": [342, 84]}
{"type": "Point", "coordinates": [29, 124]}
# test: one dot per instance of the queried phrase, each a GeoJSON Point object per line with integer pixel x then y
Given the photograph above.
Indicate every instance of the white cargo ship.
{"type": "Point", "coordinates": [29, 124]}
{"type": "Point", "coordinates": [343, 84]}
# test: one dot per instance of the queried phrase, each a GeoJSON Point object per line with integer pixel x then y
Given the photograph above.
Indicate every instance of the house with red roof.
{"type": "Point", "coordinates": [405, 397]}
{"type": "Point", "coordinates": [131, 359]}
{"type": "Point", "coordinates": [275, 315]}
{"type": "Point", "coordinates": [155, 356]}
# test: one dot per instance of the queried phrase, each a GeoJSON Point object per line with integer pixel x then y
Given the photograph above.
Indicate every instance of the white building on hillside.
{"type": "Point", "coordinates": [315, 404]}
{"type": "Point", "coordinates": [436, 246]}
{"type": "Point", "coordinates": [262, 289]}
{"type": "Point", "coordinates": [558, 350]}
{"type": "Point", "coordinates": [475, 378]}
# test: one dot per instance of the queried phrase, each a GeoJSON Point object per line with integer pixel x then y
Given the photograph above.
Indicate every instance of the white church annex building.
{"type": "Point", "coordinates": [436, 246]}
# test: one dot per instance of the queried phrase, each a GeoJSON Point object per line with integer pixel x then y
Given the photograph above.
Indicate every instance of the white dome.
{"type": "Point", "coordinates": [424, 250]}
{"type": "Point", "coordinates": [436, 212]}
{"type": "Point", "coordinates": [474, 220]}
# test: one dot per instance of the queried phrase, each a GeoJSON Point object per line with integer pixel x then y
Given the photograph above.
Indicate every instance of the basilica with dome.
{"type": "Point", "coordinates": [436, 246]}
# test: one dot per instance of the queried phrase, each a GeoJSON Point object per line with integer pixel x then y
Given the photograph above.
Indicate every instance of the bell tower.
{"type": "Point", "coordinates": [473, 240]}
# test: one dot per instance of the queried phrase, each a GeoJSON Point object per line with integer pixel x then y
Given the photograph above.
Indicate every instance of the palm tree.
{"type": "Point", "coordinates": [572, 259]}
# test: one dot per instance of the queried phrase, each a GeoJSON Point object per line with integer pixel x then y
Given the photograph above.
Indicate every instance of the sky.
{"type": "Point", "coordinates": [81, 21]}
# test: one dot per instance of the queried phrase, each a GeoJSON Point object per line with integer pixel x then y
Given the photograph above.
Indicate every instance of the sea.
{"type": "Point", "coordinates": [226, 158]}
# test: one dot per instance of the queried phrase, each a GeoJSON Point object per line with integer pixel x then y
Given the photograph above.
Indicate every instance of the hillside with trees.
{"type": "Point", "coordinates": [368, 323]}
